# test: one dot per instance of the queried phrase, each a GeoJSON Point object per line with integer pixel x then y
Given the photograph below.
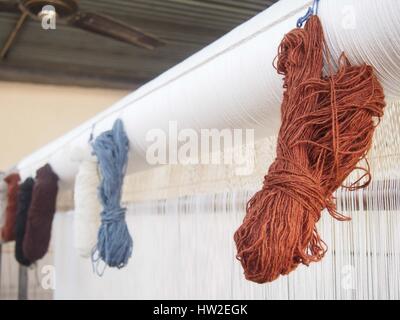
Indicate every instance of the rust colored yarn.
{"type": "Point", "coordinates": [327, 128]}
{"type": "Point", "coordinates": [40, 214]}
{"type": "Point", "coordinates": [8, 229]}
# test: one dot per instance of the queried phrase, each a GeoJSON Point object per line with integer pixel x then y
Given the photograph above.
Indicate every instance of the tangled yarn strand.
{"type": "Point", "coordinates": [327, 128]}
{"type": "Point", "coordinates": [114, 243]}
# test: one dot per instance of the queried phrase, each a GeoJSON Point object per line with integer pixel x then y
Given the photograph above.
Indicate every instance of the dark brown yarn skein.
{"type": "Point", "coordinates": [40, 215]}
{"type": "Point", "coordinates": [24, 201]}
{"type": "Point", "coordinates": [8, 229]}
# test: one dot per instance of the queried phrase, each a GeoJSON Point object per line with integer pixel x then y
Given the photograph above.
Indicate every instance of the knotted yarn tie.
{"type": "Point", "coordinates": [114, 215]}
{"type": "Point", "coordinates": [114, 242]}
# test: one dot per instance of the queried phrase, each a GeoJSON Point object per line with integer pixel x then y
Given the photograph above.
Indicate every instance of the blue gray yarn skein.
{"type": "Point", "coordinates": [114, 243]}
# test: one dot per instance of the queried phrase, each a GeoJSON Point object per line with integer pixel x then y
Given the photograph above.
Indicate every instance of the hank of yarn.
{"type": "Point", "coordinates": [8, 228]}
{"type": "Point", "coordinates": [327, 128]}
{"type": "Point", "coordinates": [3, 198]}
{"type": "Point", "coordinates": [87, 208]}
{"type": "Point", "coordinates": [23, 204]}
{"type": "Point", "coordinates": [114, 243]}
{"type": "Point", "coordinates": [40, 214]}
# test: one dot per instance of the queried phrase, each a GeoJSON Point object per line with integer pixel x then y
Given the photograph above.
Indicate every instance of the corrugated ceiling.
{"type": "Point", "coordinates": [74, 57]}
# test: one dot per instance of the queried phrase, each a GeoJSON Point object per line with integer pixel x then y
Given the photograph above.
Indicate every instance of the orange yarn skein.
{"type": "Point", "coordinates": [327, 128]}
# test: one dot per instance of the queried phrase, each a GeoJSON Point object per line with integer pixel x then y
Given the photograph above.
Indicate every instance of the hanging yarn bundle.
{"type": "Point", "coordinates": [23, 204]}
{"type": "Point", "coordinates": [327, 128]}
{"type": "Point", "coordinates": [8, 228]}
{"type": "Point", "coordinates": [40, 214]}
{"type": "Point", "coordinates": [87, 208]}
{"type": "Point", "coordinates": [114, 244]}
{"type": "Point", "coordinates": [3, 198]}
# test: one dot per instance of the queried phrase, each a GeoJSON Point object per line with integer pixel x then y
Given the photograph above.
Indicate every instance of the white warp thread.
{"type": "Point", "coordinates": [185, 250]}
{"type": "Point", "coordinates": [87, 208]}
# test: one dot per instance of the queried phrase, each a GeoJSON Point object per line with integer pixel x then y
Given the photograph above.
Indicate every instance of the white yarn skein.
{"type": "Point", "coordinates": [3, 198]}
{"type": "Point", "coordinates": [87, 208]}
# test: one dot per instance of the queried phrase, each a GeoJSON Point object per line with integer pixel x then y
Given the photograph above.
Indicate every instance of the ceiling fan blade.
{"type": "Point", "coordinates": [9, 6]}
{"type": "Point", "coordinates": [13, 35]}
{"type": "Point", "coordinates": [112, 28]}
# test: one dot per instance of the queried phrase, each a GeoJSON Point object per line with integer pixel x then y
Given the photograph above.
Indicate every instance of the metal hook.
{"type": "Point", "coordinates": [311, 11]}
